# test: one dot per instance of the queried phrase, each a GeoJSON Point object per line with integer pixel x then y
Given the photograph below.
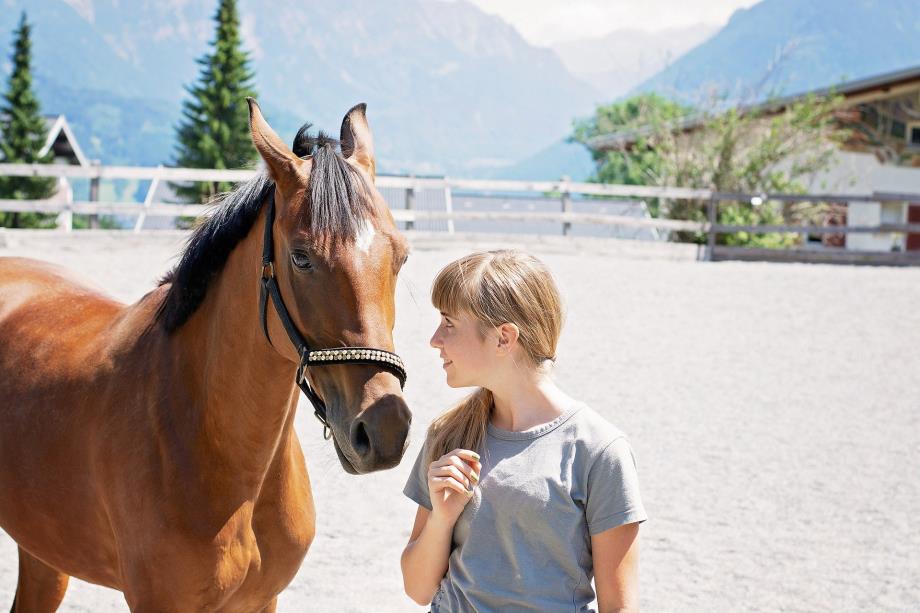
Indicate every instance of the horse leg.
{"type": "Point", "coordinates": [40, 588]}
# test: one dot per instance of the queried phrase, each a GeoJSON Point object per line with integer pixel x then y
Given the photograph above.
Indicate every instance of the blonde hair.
{"type": "Point", "coordinates": [494, 287]}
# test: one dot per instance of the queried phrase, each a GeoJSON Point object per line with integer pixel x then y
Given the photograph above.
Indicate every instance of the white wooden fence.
{"type": "Point", "coordinates": [561, 191]}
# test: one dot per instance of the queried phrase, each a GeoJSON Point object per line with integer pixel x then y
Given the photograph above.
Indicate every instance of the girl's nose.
{"type": "Point", "coordinates": [435, 340]}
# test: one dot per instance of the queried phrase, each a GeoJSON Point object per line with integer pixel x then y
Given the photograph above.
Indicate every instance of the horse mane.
{"type": "Point", "coordinates": [338, 202]}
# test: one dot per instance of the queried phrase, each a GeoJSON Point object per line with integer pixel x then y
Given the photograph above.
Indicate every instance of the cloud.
{"type": "Point", "coordinates": [250, 40]}
{"type": "Point", "coordinates": [84, 9]}
{"type": "Point", "coordinates": [544, 22]}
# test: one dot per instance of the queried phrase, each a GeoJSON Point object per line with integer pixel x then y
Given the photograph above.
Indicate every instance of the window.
{"type": "Point", "coordinates": [898, 128]}
{"type": "Point", "coordinates": [870, 116]}
{"type": "Point", "coordinates": [914, 137]}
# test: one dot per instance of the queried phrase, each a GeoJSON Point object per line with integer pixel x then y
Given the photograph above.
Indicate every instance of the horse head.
{"type": "Point", "coordinates": [336, 256]}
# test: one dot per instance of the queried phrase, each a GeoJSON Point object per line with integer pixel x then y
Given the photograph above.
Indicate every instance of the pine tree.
{"type": "Point", "coordinates": [214, 131]}
{"type": "Point", "coordinates": [23, 134]}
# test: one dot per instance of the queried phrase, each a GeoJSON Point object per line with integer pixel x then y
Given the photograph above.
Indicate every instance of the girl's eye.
{"type": "Point", "coordinates": [301, 260]}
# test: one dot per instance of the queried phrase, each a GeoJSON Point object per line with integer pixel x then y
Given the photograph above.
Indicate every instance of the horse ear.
{"type": "Point", "coordinates": [357, 140]}
{"type": "Point", "coordinates": [283, 165]}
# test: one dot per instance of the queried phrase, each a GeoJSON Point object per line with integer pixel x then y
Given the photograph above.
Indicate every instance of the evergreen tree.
{"type": "Point", "coordinates": [23, 134]}
{"type": "Point", "coordinates": [214, 130]}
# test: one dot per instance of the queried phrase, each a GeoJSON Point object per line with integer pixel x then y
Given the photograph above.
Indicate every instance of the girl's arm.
{"type": "Point", "coordinates": [450, 486]}
{"type": "Point", "coordinates": [616, 569]}
{"type": "Point", "coordinates": [424, 560]}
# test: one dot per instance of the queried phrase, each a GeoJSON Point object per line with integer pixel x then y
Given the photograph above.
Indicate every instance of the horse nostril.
{"type": "Point", "coordinates": [360, 441]}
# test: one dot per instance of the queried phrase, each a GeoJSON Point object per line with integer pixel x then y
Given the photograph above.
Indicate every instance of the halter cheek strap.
{"type": "Point", "coordinates": [311, 357]}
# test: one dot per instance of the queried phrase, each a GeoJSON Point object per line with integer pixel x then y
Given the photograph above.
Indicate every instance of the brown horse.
{"type": "Point", "coordinates": [150, 448]}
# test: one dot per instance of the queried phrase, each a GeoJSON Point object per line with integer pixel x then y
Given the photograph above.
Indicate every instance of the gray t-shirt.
{"type": "Point", "coordinates": [523, 542]}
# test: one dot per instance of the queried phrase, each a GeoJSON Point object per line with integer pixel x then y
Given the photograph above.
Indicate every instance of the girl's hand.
{"type": "Point", "coordinates": [451, 479]}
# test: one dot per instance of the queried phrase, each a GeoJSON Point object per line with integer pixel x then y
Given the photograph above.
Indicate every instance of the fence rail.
{"type": "Point", "coordinates": [559, 191]}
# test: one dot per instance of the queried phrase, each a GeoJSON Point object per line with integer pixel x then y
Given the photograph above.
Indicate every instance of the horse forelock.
{"type": "Point", "coordinates": [340, 199]}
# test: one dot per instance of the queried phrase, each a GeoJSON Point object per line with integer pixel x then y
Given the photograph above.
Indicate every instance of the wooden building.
{"type": "Point", "coordinates": [65, 150]}
{"type": "Point", "coordinates": [62, 142]}
{"type": "Point", "coordinates": [882, 154]}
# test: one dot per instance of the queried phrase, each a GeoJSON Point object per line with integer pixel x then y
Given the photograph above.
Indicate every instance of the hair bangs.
{"type": "Point", "coordinates": [457, 287]}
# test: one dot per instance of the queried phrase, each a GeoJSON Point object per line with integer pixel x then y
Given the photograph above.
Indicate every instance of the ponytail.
{"type": "Point", "coordinates": [461, 427]}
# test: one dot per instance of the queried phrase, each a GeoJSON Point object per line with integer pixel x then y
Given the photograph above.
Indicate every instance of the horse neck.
{"type": "Point", "coordinates": [243, 387]}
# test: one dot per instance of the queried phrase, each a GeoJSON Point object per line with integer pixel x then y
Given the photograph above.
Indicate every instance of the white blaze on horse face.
{"type": "Point", "coordinates": [365, 237]}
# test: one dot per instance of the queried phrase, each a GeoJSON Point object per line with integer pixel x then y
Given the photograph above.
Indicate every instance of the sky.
{"type": "Point", "coordinates": [544, 22]}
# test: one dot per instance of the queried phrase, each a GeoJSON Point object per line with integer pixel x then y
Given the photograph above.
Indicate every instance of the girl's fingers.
{"type": "Point", "coordinates": [460, 465]}
{"type": "Point", "coordinates": [472, 468]}
{"type": "Point", "coordinates": [464, 467]}
{"type": "Point", "coordinates": [451, 471]}
{"type": "Point", "coordinates": [438, 484]}
{"type": "Point", "coordinates": [464, 460]}
{"type": "Point", "coordinates": [465, 454]}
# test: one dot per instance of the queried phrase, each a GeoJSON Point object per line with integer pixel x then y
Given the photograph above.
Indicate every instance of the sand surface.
{"type": "Point", "coordinates": [774, 410]}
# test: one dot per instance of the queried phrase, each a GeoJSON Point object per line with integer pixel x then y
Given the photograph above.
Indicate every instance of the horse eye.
{"type": "Point", "coordinates": [301, 260]}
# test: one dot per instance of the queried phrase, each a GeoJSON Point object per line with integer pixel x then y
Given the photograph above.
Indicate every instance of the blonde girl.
{"type": "Point", "coordinates": [524, 494]}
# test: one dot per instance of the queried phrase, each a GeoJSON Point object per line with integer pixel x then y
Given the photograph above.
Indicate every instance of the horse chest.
{"type": "Point", "coordinates": [233, 559]}
{"type": "Point", "coordinates": [257, 562]}
{"type": "Point", "coordinates": [282, 529]}
{"type": "Point", "coordinates": [283, 535]}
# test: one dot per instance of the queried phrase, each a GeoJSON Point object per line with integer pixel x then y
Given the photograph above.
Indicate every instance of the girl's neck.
{"type": "Point", "coordinates": [527, 401]}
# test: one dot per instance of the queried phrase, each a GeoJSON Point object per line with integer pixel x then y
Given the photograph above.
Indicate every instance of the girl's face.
{"type": "Point", "coordinates": [467, 356]}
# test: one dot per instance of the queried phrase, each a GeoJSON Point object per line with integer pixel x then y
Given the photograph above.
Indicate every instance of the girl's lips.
{"type": "Point", "coordinates": [446, 363]}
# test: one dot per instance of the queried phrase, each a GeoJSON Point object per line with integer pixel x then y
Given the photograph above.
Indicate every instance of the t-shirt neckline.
{"type": "Point", "coordinates": [536, 431]}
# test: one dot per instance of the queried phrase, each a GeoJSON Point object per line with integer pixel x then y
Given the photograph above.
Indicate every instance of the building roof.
{"type": "Point", "coordinates": [874, 87]}
{"type": "Point", "coordinates": [62, 141]}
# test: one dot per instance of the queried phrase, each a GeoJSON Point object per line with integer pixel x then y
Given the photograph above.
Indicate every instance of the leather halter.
{"type": "Point", "coordinates": [313, 357]}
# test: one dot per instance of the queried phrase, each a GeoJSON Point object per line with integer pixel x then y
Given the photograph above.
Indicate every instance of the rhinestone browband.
{"type": "Point", "coordinates": [358, 355]}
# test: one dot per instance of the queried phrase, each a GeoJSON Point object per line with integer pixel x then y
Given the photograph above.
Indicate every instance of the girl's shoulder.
{"type": "Point", "coordinates": [593, 430]}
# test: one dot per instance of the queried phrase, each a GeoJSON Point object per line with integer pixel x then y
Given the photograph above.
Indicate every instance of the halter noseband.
{"type": "Point", "coordinates": [313, 357]}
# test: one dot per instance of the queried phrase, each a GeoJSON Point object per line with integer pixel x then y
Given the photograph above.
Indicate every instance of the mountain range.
{"type": "Point", "coordinates": [617, 62]}
{"type": "Point", "coordinates": [450, 89]}
{"type": "Point", "coordinates": [783, 47]}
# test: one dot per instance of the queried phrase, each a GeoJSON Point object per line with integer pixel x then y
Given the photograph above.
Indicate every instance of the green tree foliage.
{"type": "Point", "coordinates": [641, 164]}
{"type": "Point", "coordinates": [214, 130]}
{"type": "Point", "coordinates": [756, 149]}
{"type": "Point", "coordinates": [23, 134]}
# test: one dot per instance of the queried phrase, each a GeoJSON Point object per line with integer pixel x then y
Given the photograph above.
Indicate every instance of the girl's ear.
{"type": "Point", "coordinates": [508, 334]}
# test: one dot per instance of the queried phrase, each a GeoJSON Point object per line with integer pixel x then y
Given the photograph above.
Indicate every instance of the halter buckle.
{"type": "Point", "coordinates": [268, 270]}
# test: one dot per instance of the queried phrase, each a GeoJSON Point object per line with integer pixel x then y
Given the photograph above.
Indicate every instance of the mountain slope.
{"type": "Point", "coordinates": [788, 46]}
{"type": "Point", "coordinates": [448, 87]}
{"type": "Point", "coordinates": [622, 59]}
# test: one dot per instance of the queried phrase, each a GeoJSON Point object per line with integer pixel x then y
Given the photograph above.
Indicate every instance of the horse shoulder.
{"type": "Point", "coordinates": [228, 558]}
{"type": "Point", "coordinates": [283, 524]}
{"type": "Point", "coordinates": [285, 504]}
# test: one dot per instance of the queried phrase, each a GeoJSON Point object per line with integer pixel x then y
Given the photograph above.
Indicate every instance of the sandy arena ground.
{"type": "Point", "coordinates": [774, 410]}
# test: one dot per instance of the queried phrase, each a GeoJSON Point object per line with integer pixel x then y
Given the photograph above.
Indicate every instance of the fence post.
{"type": "Point", "coordinates": [66, 218]}
{"type": "Point", "coordinates": [410, 201]}
{"type": "Point", "coordinates": [566, 204]}
{"type": "Point", "coordinates": [148, 199]}
{"type": "Point", "coordinates": [448, 205]}
{"type": "Point", "coordinates": [94, 197]}
{"type": "Point", "coordinates": [712, 228]}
